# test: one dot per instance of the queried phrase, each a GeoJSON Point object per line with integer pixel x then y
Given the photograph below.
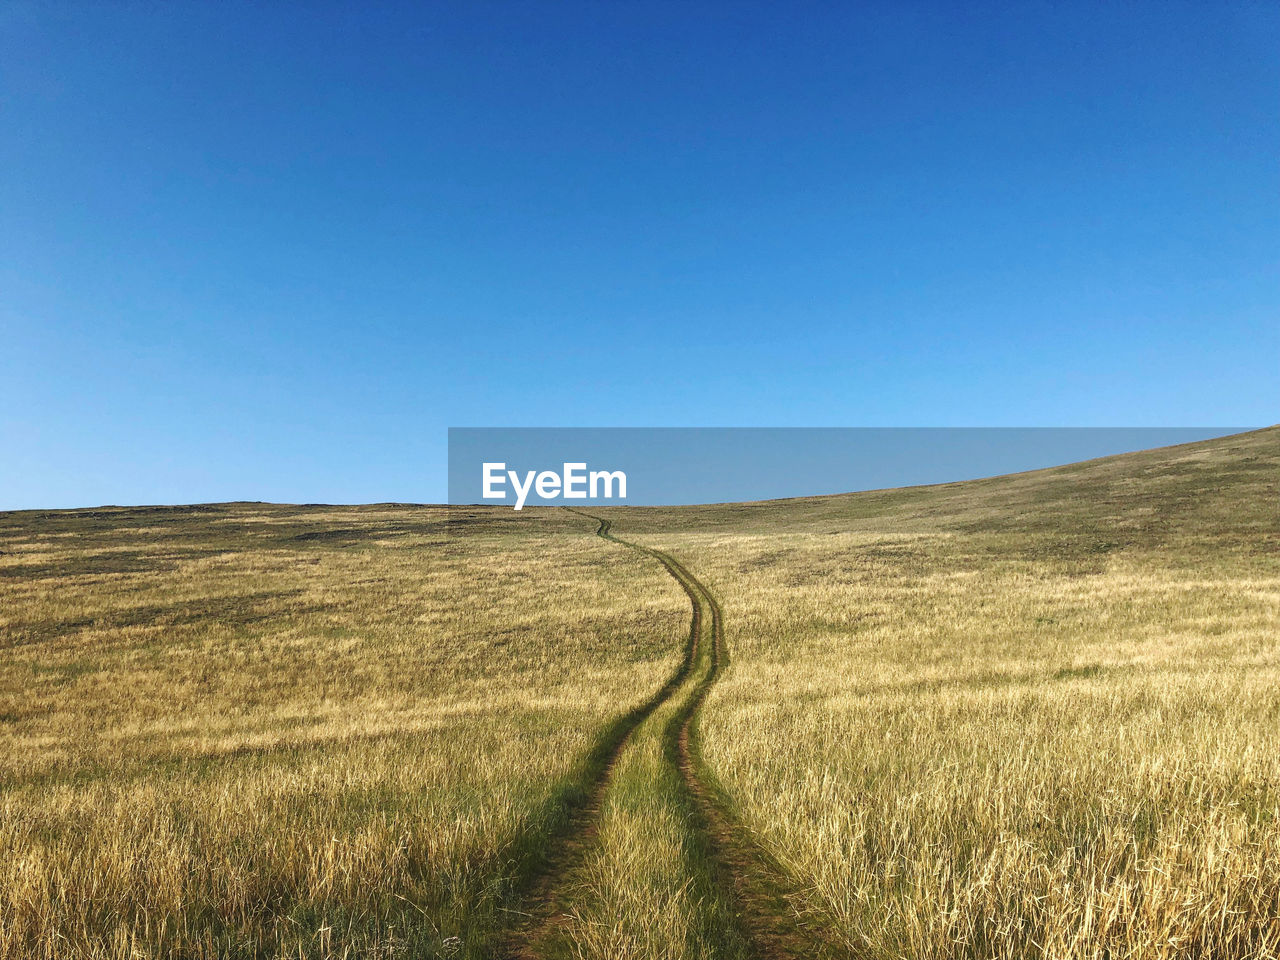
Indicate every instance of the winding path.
{"type": "Point", "coordinates": [751, 882]}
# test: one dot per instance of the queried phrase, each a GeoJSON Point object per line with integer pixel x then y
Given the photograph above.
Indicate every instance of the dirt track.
{"type": "Point", "coordinates": [749, 880]}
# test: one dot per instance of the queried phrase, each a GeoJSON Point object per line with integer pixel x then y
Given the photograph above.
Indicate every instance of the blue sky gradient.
{"type": "Point", "coordinates": [271, 251]}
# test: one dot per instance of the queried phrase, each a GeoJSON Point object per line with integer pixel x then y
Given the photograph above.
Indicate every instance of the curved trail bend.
{"type": "Point", "coordinates": [753, 884]}
{"type": "Point", "coordinates": [765, 923]}
{"type": "Point", "coordinates": [548, 894]}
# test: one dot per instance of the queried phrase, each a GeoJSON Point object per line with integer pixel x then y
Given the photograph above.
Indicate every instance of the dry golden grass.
{"type": "Point", "coordinates": [321, 732]}
{"type": "Point", "coordinates": [1029, 717]}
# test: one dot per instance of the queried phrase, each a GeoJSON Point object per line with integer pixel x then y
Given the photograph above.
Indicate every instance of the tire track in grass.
{"type": "Point", "coordinates": [546, 890]}
{"type": "Point", "coordinates": [754, 885]}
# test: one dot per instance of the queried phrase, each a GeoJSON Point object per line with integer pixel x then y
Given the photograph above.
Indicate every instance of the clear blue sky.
{"type": "Point", "coordinates": [271, 251]}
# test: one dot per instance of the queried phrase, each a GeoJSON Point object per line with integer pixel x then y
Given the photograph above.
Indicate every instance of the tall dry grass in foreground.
{"type": "Point", "coordinates": [1030, 717]}
{"type": "Point", "coordinates": [307, 732]}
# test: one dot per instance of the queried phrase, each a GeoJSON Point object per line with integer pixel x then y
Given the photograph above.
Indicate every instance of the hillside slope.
{"type": "Point", "coordinates": [1031, 716]}
{"type": "Point", "coordinates": [1227, 487]}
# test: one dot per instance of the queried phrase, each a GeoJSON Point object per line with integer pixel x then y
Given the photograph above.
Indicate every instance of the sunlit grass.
{"type": "Point", "coordinates": [300, 732]}
{"type": "Point", "coordinates": [1051, 730]}
{"type": "Point", "coordinates": [1027, 717]}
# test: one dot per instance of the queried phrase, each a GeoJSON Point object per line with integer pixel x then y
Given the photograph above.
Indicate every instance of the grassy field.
{"type": "Point", "coordinates": [1036, 716]}
{"type": "Point", "coordinates": [248, 730]}
{"type": "Point", "coordinates": [1033, 716]}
